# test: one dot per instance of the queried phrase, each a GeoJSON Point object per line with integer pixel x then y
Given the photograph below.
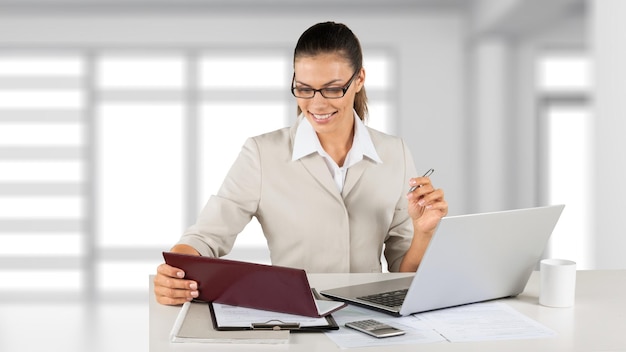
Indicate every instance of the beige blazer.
{"type": "Point", "coordinates": [308, 224]}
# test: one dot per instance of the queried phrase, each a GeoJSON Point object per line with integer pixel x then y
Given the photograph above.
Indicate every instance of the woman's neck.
{"type": "Point", "coordinates": [338, 144]}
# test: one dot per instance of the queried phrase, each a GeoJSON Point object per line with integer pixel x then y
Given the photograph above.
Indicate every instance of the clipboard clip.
{"type": "Point", "coordinates": [275, 324]}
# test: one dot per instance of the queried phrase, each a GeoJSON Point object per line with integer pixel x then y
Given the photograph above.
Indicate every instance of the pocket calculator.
{"type": "Point", "coordinates": [375, 328]}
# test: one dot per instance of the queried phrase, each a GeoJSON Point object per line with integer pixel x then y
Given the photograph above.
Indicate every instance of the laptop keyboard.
{"type": "Point", "coordinates": [388, 299]}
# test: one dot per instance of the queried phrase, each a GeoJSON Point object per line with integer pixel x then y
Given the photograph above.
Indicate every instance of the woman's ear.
{"type": "Point", "coordinates": [360, 80]}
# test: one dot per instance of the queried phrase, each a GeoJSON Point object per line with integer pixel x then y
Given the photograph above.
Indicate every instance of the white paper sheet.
{"type": "Point", "coordinates": [416, 330]}
{"type": "Point", "coordinates": [488, 321]}
{"type": "Point", "coordinates": [243, 317]}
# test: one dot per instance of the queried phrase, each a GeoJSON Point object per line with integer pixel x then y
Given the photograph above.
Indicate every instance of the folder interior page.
{"type": "Point", "coordinates": [325, 307]}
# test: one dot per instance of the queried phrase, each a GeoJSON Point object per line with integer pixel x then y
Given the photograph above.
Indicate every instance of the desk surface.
{"type": "Point", "coordinates": [597, 322]}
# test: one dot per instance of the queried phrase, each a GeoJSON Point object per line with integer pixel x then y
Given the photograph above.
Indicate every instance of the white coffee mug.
{"type": "Point", "coordinates": [558, 282]}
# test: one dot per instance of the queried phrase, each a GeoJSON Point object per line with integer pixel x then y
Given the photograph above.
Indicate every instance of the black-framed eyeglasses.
{"type": "Point", "coordinates": [328, 93]}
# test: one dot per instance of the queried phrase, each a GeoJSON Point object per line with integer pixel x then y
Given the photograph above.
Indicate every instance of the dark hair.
{"type": "Point", "coordinates": [331, 37]}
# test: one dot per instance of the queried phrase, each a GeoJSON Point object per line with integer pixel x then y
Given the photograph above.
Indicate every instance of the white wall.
{"type": "Point", "coordinates": [493, 149]}
{"type": "Point", "coordinates": [609, 55]}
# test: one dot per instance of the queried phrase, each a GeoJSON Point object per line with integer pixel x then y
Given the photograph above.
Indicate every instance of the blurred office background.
{"type": "Point", "coordinates": [118, 119]}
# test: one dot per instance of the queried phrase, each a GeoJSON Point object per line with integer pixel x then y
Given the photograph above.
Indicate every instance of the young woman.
{"type": "Point", "coordinates": [330, 193]}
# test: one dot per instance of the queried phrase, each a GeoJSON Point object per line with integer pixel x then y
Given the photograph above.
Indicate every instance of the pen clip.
{"type": "Point", "coordinates": [275, 324]}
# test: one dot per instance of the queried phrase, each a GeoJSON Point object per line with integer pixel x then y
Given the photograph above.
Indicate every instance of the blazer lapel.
{"type": "Point", "coordinates": [314, 163]}
{"type": "Point", "coordinates": [353, 175]}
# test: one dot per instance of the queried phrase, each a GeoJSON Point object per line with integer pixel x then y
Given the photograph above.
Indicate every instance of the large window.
{"type": "Point", "coordinates": [564, 79]}
{"type": "Point", "coordinates": [43, 203]}
{"type": "Point", "coordinates": [107, 155]}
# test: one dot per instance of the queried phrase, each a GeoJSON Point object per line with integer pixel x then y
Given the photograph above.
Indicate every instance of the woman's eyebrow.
{"type": "Point", "coordinates": [323, 85]}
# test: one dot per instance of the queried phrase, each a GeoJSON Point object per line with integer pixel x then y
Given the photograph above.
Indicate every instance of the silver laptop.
{"type": "Point", "coordinates": [471, 258]}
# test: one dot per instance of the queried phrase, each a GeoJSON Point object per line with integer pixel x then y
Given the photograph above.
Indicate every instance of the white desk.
{"type": "Point", "coordinates": [597, 322]}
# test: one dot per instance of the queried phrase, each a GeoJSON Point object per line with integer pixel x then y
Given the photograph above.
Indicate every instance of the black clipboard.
{"type": "Point", "coordinates": [275, 324]}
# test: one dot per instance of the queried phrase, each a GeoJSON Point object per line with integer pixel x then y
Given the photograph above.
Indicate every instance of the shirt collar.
{"type": "Point", "coordinates": [306, 141]}
{"type": "Point", "coordinates": [363, 141]}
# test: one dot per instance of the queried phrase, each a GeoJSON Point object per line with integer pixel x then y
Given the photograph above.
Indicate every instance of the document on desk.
{"type": "Point", "coordinates": [228, 317]}
{"type": "Point", "coordinates": [488, 321]}
{"type": "Point", "coordinates": [416, 331]}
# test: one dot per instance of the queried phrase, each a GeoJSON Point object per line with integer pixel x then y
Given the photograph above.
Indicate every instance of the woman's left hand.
{"type": "Point", "coordinates": [427, 205]}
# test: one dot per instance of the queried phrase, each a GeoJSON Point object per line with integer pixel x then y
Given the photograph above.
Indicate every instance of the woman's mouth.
{"type": "Point", "coordinates": [322, 117]}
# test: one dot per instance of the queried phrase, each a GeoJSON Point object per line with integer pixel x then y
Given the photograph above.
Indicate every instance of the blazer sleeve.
{"type": "Point", "coordinates": [400, 234]}
{"type": "Point", "coordinates": [227, 213]}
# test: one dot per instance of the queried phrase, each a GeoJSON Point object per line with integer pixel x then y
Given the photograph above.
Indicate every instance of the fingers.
{"type": "Point", "coordinates": [420, 187]}
{"type": "Point", "coordinates": [417, 182]}
{"type": "Point", "coordinates": [426, 196]}
{"type": "Point", "coordinates": [170, 288]}
{"type": "Point", "coordinates": [434, 199]}
{"type": "Point", "coordinates": [170, 271]}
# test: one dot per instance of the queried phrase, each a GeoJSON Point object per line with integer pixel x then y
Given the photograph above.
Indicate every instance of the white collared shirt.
{"type": "Point", "coordinates": [306, 142]}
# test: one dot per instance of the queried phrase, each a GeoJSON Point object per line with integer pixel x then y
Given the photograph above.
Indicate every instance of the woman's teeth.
{"type": "Point", "coordinates": [322, 117]}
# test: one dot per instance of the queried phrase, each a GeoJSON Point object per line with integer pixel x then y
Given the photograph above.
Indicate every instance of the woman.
{"type": "Point", "coordinates": [328, 191]}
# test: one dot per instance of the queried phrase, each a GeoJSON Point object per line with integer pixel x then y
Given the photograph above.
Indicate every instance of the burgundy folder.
{"type": "Point", "coordinates": [237, 283]}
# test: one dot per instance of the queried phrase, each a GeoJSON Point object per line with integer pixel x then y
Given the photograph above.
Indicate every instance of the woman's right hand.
{"type": "Point", "coordinates": [170, 285]}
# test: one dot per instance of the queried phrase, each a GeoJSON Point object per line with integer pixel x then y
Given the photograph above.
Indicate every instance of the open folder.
{"type": "Point", "coordinates": [259, 286]}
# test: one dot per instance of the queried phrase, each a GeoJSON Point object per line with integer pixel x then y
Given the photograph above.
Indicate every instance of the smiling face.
{"type": "Point", "coordinates": [331, 118]}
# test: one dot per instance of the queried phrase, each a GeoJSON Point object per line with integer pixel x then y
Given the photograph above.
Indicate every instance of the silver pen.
{"type": "Point", "coordinates": [428, 173]}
